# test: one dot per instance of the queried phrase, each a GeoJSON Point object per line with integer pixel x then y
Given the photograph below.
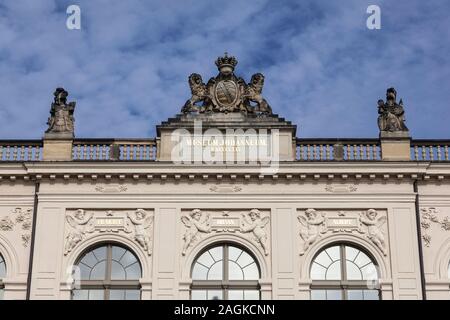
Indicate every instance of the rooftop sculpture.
{"type": "Point", "coordinates": [226, 92]}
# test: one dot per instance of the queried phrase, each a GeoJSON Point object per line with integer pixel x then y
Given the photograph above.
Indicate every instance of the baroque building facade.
{"type": "Point", "coordinates": [225, 203]}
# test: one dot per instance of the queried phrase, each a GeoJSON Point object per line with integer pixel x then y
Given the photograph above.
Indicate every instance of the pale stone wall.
{"type": "Point", "coordinates": [16, 201]}
{"type": "Point", "coordinates": [168, 192]}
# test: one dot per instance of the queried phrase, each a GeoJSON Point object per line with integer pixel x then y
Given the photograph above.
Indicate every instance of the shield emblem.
{"type": "Point", "coordinates": [226, 92]}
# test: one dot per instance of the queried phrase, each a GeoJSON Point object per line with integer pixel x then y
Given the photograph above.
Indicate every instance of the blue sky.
{"type": "Point", "coordinates": [127, 67]}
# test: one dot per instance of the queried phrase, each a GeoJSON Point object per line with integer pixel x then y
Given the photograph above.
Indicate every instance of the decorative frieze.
{"type": "Point", "coordinates": [340, 188]}
{"type": "Point", "coordinates": [20, 218]}
{"type": "Point", "coordinates": [225, 189]}
{"type": "Point", "coordinates": [111, 188]}
{"type": "Point", "coordinates": [369, 224]}
{"type": "Point", "coordinates": [251, 224]}
{"type": "Point", "coordinates": [136, 225]}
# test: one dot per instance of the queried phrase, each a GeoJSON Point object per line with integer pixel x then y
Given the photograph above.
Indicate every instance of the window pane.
{"type": "Point", "coordinates": [370, 272]}
{"type": "Point", "coordinates": [323, 259]}
{"type": "Point", "coordinates": [251, 295]}
{"type": "Point", "coordinates": [100, 253]}
{"type": "Point", "coordinates": [371, 295]}
{"type": "Point", "coordinates": [85, 272]}
{"type": "Point", "coordinates": [236, 295]}
{"type": "Point", "coordinates": [198, 295]}
{"type": "Point", "coordinates": [117, 253]}
{"type": "Point", "coordinates": [85, 294]}
{"type": "Point", "coordinates": [215, 295]}
{"type": "Point", "coordinates": [206, 259]}
{"type": "Point", "coordinates": [80, 294]}
{"type": "Point", "coordinates": [117, 295]}
{"type": "Point", "coordinates": [334, 271]}
{"type": "Point", "coordinates": [132, 294]}
{"type": "Point", "coordinates": [2, 267]}
{"type": "Point", "coordinates": [234, 253]}
{"type": "Point", "coordinates": [96, 295]}
{"type": "Point", "coordinates": [334, 295]}
{"type": "Point", "coordinates": [355, 294]}
{"type": "Point", "coordinates": [1, 294]}
{"type": "Point", "coordinates": [350, 253]}
{"type": "Point", "coordinates": [134, 272]}
{"type": "Point", "coordinates": [245, 259]}
{"type": "Point", "coordinates": [234, 271]}
{"type": "Point", "coordinates": [215, 272]}
{"type": "Point", "coordinates": [217, 253]}
{"type": "Point", "coordinates": [353, 272]}
{"type": "Point", "coordinates": [318, 295]}
{"type": "Point", "coordinates": [117, 271]}
{"type": "Point", "coordinates": [89, 260]}
{"type": "Point", "coordinates": [206, 295]}
{"type": "Point", "coordinates": [362, 259]}
{"type": "Point", "coordinates": [128, 259]}
{"type": "Point", "coordinates": [317, 272]}
{"type": "Point", "coordinates": [448, 270]}
{"type": "Point", "coordinates": [199, 272]}
{"type": "Point", "coordinates": [334, 252]}
{"type": "Point", "coordinates": [251, 272]}
{"type": "Point", "coordinates": [99, 271]}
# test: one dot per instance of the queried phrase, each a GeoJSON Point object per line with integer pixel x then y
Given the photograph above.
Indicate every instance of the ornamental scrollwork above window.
{"type": "Point", "coordinates": [20, 218]}
{"type": "Point", "coordinates": [369, 224]}
{"type": "Point", "coordinates": [137, 225]}
{"type": "Point", "coordinates": [430, 216]}
{"type": "Point", "coordinates": [251, 224]}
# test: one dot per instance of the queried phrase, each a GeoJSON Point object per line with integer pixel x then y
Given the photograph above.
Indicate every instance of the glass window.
{"type": "Point", "coordinates": [108, 272]}
{"type": "Point", "coordinates": [225, 272]}
{"type": "Point", "coordinates": [2, 276]}
{"type": "Point", "coordinates": [448, 270]}
{"type": "Point", "coordinates": [342, 272]}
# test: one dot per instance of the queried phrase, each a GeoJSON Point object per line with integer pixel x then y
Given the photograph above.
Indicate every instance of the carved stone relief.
{"type": "Point", "coordinates": [344, 188]}
{"type": "Point", "coordinates": [252, 224]}
{"type": "Point", "coordinates": [225, 189]}
{"type": "Point", "coordinates": [226, 92]}
{"type": "Point", "coordinates": [111, 188]}
{"type": "Point", "coordinates": [369, 224]}
{"type": "Point", "coordinates": [136, 224]}
{"type": "Point", "coordinates": [429, 216]}
{"type": "Point", "coordinates": [20, 218]}
{"type": "Point", "coordinates": [391, 114]}
{"type": "Point", "coordinates": [61, 120]}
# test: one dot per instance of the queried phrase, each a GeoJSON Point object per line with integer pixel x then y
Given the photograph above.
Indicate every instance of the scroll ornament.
{"type": "Point", "coordinates": [198, 223]}
{"type": "Point", "coordinates": [135, 224]}
{"type": "Point", "coordinates": [314, 224]}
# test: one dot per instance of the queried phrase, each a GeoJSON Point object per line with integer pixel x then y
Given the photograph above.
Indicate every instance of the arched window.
{"type": "Point", "coordinates": [448, 270]}
{"type": "Point", "coordinates": [108, 272]}
{"type": "Point", "coordinates": [225, 272]}
{"type": "Point", "coordinates": [2, 276]}
{"type": "Point", "coordinates": [342, 272]}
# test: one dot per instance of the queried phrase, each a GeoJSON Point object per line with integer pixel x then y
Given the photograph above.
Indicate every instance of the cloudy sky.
{"type": "Point", "coordinates": [127, 67]}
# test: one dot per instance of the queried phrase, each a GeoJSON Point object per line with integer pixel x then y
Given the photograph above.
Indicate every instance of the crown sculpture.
{"type": "Point", "coordinates": [226, 92]}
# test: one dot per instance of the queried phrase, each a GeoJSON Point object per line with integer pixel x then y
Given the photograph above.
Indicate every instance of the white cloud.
{"type": "Point", "coordinates": [128, 66]}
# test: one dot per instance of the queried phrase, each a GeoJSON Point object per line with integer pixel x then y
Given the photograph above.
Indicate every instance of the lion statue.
{"type": "Point", "coordinates": [199, 93]}
{"type": "Point", "coordinates": [253, 94]}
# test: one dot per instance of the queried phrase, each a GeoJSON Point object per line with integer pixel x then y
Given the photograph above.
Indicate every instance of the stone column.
{"type": "Point", "coordinates": [395, 146]}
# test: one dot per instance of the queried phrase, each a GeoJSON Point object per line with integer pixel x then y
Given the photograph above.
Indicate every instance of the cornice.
{"type": "Point", "coordinates": [165, 171]}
